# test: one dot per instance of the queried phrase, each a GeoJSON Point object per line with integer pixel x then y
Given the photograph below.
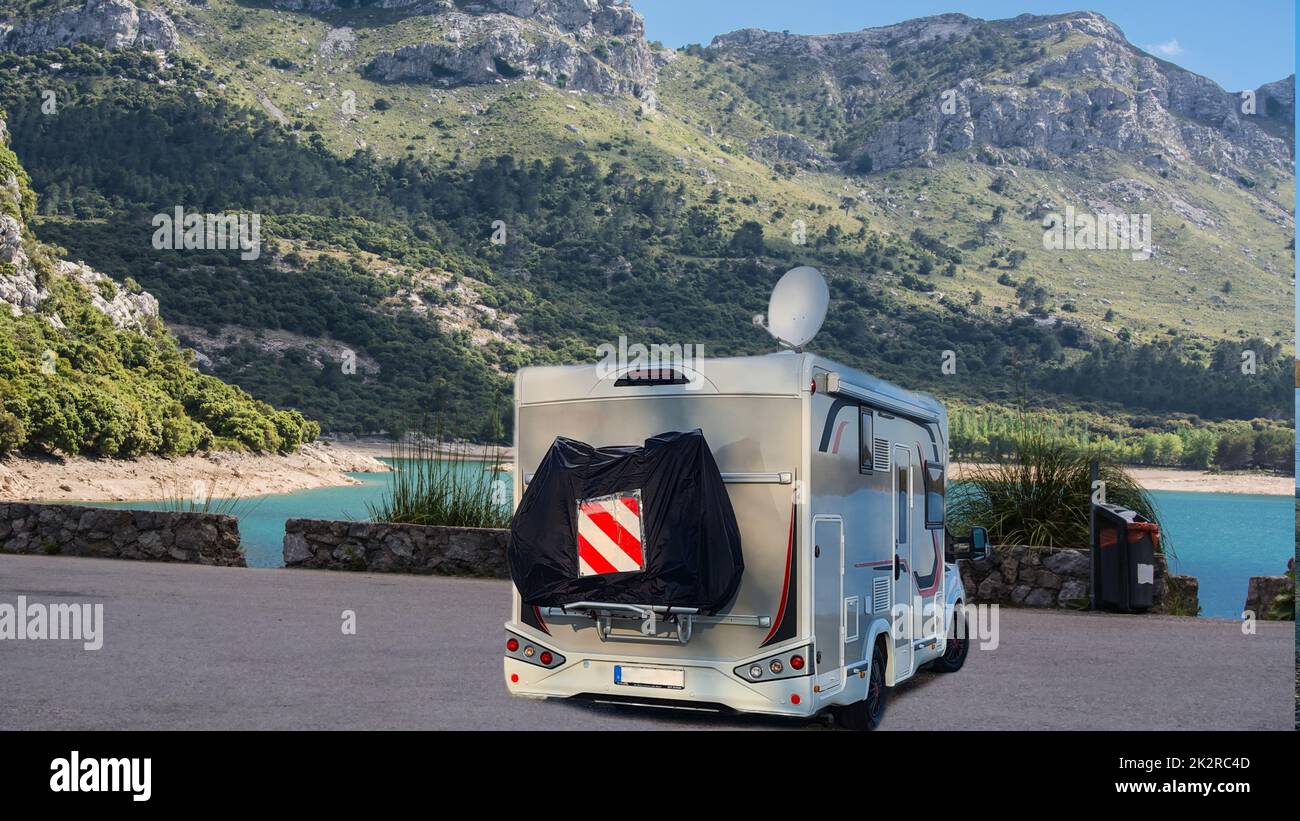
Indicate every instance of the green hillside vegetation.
{"type": "Point", "coordinates": [993, 435]}
{"type": "Point", "coordinates": [88, 388]}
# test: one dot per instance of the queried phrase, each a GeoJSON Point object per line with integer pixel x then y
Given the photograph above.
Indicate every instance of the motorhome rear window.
{"type": "Point", "coordinates": [661, 376]}
{"type": "Point", "coordinates": [934, 491]}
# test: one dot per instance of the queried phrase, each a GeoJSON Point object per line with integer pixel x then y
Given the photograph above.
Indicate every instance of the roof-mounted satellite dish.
{"type": "Point", "coordinates": [797, 308]}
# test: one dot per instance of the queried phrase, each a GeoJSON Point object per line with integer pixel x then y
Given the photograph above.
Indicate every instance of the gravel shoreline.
{"type": "Point", "coordinates": [222, 474]}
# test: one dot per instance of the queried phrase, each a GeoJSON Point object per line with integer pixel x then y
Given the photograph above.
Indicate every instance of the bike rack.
{"type": "Point", "coordinates": [683, 618]}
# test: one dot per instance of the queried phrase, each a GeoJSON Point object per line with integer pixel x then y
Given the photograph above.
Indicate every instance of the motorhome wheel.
{"type": "Point", "coordinates": [954, 655]}
{"type": "Point", "coordinates": [868, 713]}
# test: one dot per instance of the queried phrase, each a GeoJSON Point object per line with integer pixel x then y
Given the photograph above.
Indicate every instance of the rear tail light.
{"type": "Point", "coordinates": [789, 664]}
{"type": "Point", "coordinates": [520, 648]}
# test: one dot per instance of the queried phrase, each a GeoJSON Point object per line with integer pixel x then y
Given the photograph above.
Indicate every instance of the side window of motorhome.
{"type": "Point", "coordinates": [866, 421]}
{"type": "Point", "coordinates": [903, 511]}
{"type": "Point", "coordinates": [934, 491]}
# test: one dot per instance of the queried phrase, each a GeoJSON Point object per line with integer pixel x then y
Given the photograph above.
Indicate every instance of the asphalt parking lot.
{"type": "Point", "coordinates": [190, 647]}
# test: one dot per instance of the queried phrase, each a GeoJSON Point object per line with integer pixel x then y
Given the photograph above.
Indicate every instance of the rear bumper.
{"type": "Point", "coordinates": [707, 684]}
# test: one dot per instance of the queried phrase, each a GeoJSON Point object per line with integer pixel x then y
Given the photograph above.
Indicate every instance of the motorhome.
{"type": "Point", "coordinates": [837, 480]}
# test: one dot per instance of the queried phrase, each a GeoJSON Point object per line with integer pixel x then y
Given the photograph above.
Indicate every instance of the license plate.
{"type": "Point", "coordinates": [665, 677]}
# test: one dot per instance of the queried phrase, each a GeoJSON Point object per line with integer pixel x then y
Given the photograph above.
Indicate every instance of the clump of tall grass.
{"type": "Point", "coordinates": [1040, 495]}
{"type": "Point", "coordinates": [443, 484]}
{"type": "Point", "coordinates": [205, 496]}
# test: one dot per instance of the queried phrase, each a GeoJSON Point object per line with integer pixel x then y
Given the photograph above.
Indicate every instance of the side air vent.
{"type": "Point", "coordinates": [880, 455]}
{"type": "Point", "coordinates": [880, 594]}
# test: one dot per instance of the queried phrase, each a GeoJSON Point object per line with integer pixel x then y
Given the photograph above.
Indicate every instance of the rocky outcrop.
{"type": "Point", "coordinates": [758, 43]}
{"type": "Point", "coordinates": [19, 290]}
{"type": "Point", "coordinates": [586, 45]}
{"type": "Point", "coordinates": [112, 24]}
{"type": "Point", "coordinates": [1050, 110]}
{"type": "Point", "coordinates": [336, 5]}
{"type": "Point", "coordinates": [378, 547]}
{"type": "Point", "coordinates": [128, 311]}
{"type": "Point", "coordinates": [1056, 577]}
{"type": "Point", "coordinates": [1277, 101]}
{"type": "Point", "coordinates": [142, 535]}
{"type": "Point", "coordinates": [775, 148]}
{"type": "Point", "coordinates": [583, 18]}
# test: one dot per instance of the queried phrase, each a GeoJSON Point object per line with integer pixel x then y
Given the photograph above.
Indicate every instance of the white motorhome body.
{"type": "Point", "coordinates": [837, 482]}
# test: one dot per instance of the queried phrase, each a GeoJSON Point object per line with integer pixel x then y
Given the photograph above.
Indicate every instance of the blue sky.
{"type": "Point", "coordinates": [1238, 45]}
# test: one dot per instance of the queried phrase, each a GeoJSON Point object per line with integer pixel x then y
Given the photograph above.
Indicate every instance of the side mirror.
{"type": "Point", "coordinates": [979, 543]}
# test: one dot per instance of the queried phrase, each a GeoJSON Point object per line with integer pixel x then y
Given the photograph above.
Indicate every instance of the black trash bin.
{"type": "Point", "coordinates": [1125, 552]}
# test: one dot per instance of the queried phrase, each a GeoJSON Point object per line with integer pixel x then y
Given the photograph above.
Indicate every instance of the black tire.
{"type": "Point", "coordinates": [956, 650]}
{"type": "Point", "coordinates": [868, 713]}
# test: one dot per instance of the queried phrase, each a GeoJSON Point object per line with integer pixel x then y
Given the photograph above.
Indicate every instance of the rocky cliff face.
{"type": "Point", "coordinates": [1277, 101]}
{"type": "Point", "coordinates": [23, 285]}
{"type": "Point", "coordinates": [588, 45]}
{"type": "Point", "coordinates": [758, 43]}
{"type": "Point", "coordinates": [111, 23]}
{"type": "Point", "coordinates": [1087, 88]}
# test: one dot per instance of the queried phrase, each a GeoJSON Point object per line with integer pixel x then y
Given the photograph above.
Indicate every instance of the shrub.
{"type": "Point", "coordinates": [1041, 495]}
{"type": "Point", "coordinates": [435, 482]}
{"type": "Point", "coordinates": [13, 433]}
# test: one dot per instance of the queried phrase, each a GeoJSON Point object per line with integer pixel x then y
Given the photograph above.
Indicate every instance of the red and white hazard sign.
{"type": "Point", "coordinates": [609, 534]}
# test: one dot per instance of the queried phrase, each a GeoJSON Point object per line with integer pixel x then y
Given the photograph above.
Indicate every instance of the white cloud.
{"type": "Point", "coordinates": [1167, 49]}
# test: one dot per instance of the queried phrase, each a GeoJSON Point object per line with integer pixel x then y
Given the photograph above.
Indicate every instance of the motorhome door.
{"type": "Point", "coordinates": [828, 592]}
{"type": "Point", "coordinates": [903, 564]}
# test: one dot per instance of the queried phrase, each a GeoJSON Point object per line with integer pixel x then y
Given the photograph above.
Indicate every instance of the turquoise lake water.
{"type": "Point", "coordinates": [1221, 539]}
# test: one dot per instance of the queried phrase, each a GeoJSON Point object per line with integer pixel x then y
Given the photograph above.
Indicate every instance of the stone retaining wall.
{"type": "Point", "coordinates": [1262, 591]}
{"type": "Point", "coordinates": [395, 548]}
{"type": "Point", "coordinates": [1055, 577]}
{"type": "Point", "coordinates": [144, 535]}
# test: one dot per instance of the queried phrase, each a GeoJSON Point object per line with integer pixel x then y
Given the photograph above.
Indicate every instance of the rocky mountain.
{"type": "Point", "coordinates": [110, 23]}
{"type": "Point", "coordinates": [1044, 92]}
{"type": "Point", "coordinates": [588, 45]}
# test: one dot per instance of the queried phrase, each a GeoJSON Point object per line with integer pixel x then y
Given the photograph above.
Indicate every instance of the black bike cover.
{"type": "Point", "coordinates": [649, 525]}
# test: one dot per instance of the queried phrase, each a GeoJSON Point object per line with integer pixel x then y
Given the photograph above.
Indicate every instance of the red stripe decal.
{"type": "Point", "coordinates": [785, 583]}
{"type": "Point", "coordinates": [617, 534]}
{"type": "Point", "coordinates": [593, 559]}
